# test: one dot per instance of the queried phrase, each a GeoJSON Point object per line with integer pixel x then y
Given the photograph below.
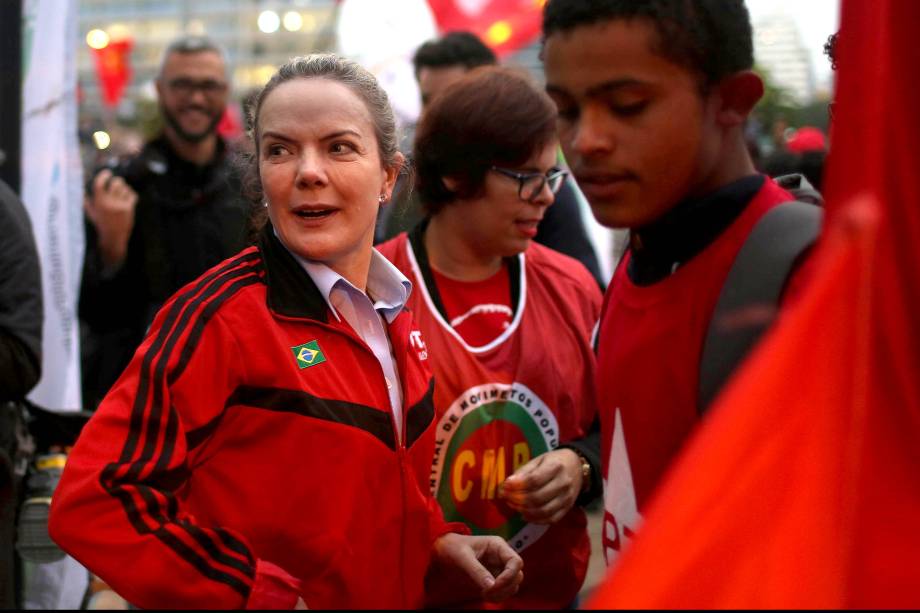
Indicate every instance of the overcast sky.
{"type": "Point", "coordinates": [817, 19]}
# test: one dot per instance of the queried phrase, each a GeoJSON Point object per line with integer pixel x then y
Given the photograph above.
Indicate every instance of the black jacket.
{"type": "Point", "coordinates": [20, 300]}
{"type": "Point", "coordinates": [188, 219]}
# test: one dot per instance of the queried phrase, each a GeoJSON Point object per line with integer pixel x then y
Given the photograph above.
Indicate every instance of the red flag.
{"type": "Point", "coordinates": [802, 489]}
{"type": "Point", "coordinates": [504, 25]}
{"type": "Point", "coordinates": [113, 68]}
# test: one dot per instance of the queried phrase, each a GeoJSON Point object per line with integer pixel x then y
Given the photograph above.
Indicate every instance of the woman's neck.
{"type": "Point", "coordinates": [451, 254]}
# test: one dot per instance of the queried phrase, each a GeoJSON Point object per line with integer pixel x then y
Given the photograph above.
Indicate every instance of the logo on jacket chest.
{"type": "Point", "coordinates": [308, 354]}
{"type": "Point", "coordinates": [485, 435]}
{"type": "Point", "coordinates": [415, 339]}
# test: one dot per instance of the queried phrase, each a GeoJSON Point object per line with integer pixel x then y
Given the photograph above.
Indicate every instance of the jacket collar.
{"type": "Point", "coordinates": [290, 290]}
{"type": "Point", "coordinates": [686, 230]}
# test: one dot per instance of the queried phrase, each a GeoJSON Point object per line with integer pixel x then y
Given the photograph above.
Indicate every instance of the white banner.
{"type": "Point", "coordinates": [52, 189]}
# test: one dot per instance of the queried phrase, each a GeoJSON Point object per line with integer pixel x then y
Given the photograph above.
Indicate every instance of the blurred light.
{"type": "Point", "coordinates": [293, 21]}
{"type": "Point", "coordinates": [269, 21]}
{"type": "Point", "coordinates": [499, 33]}
{"type": "Point", "coordinates": [309, 22]}
{"type": "Point", "coordinates": [196, 26]}
{"type": "Point", "coordinates": [97, 39]}
{"type": "Point", "coordinates": [102, 139]}
{"type": "Point", "coordinates": [119, 31]}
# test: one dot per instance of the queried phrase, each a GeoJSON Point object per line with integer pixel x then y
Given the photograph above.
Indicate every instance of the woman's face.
{"type": "Point", "coordinates": [498, 222]}
{"type": "Point", "coordinates": [321, 173]}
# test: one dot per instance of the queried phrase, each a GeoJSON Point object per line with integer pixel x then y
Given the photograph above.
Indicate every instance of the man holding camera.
{"type": "Point", "coordinates": [161, 218]}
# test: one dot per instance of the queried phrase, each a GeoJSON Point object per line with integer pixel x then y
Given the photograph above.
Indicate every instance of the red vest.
{"type": "Point", "coordinates": [649, 346]}
{"type": "Point", "coordinates": [499, 405]}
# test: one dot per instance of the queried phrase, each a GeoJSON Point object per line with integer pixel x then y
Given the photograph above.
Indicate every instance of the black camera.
{"type": "Point", "coordinates": [135, 170]}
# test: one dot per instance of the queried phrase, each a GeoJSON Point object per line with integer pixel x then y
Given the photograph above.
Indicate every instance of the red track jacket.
{"type": "Point", "coordinates": [248, 455]}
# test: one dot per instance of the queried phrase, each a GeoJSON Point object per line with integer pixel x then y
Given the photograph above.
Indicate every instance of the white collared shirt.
{"type": "Point", "coordinates": [390, 290]}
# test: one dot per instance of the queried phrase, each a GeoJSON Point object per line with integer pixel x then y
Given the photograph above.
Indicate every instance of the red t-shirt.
{"type": "Point", "coordinates": [649, 347]}
{"type": "Point", "coordinates": [478, 310]}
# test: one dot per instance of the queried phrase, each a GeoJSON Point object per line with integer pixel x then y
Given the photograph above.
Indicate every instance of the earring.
{"type": "Point", "coordinates": [383, 198]}
{"type": "Point", "coordinates": [265, 204]}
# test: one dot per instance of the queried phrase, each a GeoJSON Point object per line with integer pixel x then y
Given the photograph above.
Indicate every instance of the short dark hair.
{"type": "Point", "coordinates": [830, 49]}
{"type": "Point", "coordinates": [492, 116]}
{"type": "Point", "coordinates": [712, 38]}
{"type": "Point", "coordinates": [191, 43]}
{"type": "Point", "coordinates": [453, 49]}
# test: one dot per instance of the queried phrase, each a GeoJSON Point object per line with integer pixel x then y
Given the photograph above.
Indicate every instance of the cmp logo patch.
{"type": "Point", "coordinates": [488, 433]}
{"type": "Point", "coordinates": [308, 354]}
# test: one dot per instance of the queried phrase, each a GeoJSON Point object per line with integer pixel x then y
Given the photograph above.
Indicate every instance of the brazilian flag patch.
{"type": "Point", "coordinates": [308, 354]}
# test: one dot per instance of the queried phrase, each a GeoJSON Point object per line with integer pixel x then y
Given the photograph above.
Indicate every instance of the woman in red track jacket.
{"type": "Point", "coordinates": [252, 454]}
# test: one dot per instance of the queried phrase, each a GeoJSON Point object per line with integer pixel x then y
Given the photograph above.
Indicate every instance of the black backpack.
{"type": "Point", "coordinates": [750, 297]}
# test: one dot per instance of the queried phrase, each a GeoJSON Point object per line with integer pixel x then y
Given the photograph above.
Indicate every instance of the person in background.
{"type": "Point", "coordinates": [652, 98]}
{"type": "Point", "coordinates": [438, 64]}
{"type": "Point", "coordinates": [270, 443]}
{"type": "Point", "coordinates": [159, 219]}
{"type": "Point", "coordinates": [20, 368]}
{"type": "Point", "coordinates": [506, 325]}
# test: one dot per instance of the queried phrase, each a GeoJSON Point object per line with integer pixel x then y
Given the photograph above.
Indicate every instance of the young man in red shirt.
{"type": "Point", "coordinates": [652, 98]}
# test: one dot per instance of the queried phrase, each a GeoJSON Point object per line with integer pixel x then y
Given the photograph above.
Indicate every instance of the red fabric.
{"type": "Point", "coordinates": [503, 25]}
{"type": "Point", "coordinates": [480, 310]}
{"type": "Point", "coordinates": [113, 67]}
{"type": "Point", "coordinates": [648, 372]}
{"type": "Point", "coordinates": [215, 452]}
{"type": "Point", "coordinates": [272, 588]}
{"type": "Point", "coordinates": [806, 139]}
{"type": "Point", "coordinates": [543, 366]}
{"type": "Point", "coordinates": [802, 490]}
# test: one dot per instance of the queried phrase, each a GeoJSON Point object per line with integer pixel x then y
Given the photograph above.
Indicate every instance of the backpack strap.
{"type": "Point", "coordinates": [750, 296]}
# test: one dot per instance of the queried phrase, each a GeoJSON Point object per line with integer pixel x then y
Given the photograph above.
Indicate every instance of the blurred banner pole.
{"type": "Point", "coordinates": [52, 189]}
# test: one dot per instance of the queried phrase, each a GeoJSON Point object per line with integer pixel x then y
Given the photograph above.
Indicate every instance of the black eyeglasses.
{"type": "Point", "coordinates": [188, 87]}
{"type": "Point", "coordinates": [530, 184]}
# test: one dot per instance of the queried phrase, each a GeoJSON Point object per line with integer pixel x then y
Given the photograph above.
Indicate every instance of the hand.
{"type": "Point", "coordinates": [111, 210]}
{"type": "Point", "coordinates": [544, 489]}
{"type": "Point", "coordinates": [488, 561]}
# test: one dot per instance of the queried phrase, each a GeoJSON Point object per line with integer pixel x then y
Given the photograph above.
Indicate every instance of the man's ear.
{"type": "Point", "coordinates": [739, 92]}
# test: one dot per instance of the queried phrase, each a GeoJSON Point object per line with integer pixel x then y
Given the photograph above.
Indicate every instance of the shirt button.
{"type": "Point", "coordinates": [389, 385]}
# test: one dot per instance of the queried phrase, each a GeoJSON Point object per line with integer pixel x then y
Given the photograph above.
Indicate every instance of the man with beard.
{"type": "Point", "coordinates": [159, 219]}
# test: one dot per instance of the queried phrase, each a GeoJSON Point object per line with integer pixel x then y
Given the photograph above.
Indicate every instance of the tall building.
{"type": "Point", "coordinates": [779, 50]}
{"type": "Point", "coordinates": [258, 36]}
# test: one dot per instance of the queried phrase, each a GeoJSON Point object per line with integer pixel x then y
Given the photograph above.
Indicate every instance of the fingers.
{"type": "Point", "coordinates": [102, 180]}
{"type": "Point", "coordinates": [111, 192]}
{"type": "Point", "coordinates": [531, 476]}
{"type": "Point", "coordinates": [536, 483]}
{"type": "Point", "coordinates": [506, 585]}
{"type": "Point", "coordinates": [505, 564]}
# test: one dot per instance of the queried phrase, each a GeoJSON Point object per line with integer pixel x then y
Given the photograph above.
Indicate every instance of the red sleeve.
{"type": "Point", "coordinates": [116, 508]}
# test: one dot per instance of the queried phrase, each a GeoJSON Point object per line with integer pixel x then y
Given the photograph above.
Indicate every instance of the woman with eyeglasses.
{"type": "Point", "coordinates": [505, 324]}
